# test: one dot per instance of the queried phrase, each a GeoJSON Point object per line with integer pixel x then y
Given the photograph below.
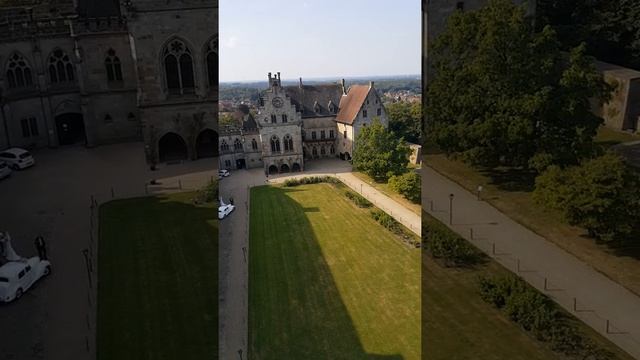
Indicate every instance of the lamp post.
{"type": "Point", "coordinates": [451, 209]}
{"type": "Point", "coordinates": [479, 191]}
{"type": "Point", "coordinates": [4, 119]}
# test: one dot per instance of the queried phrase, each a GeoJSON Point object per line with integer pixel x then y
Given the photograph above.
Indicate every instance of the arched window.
{"type": "Point", "coordinates": [114, 69]}
{"type": "Point", "coordinates": [254, 144]}
{"type": "Point", "coordinates": [237, 145]}
{"type": "Point", "coordinates": [178, 67]}
{"type": "Point", "coordinates": [212, 63]}
{"type": "Point", "coordinates": [275, 144]}
{"type": "Point", "coordinates": [60, 68]}
{"type": "Point", "coordinates": [274, 119]}
{"type": "Point", "coordinates": [18, 72]}
{"type": "Point", "coordinates": [224, 147]}
{"type": "Point", "coordinates": [332, 150]}
{"type": "Point", "coordinates": [314, 152]}
{"type": "Point", "coordinates": [322, 151]}
{"type": "Point", "coordinates": [288, 143]}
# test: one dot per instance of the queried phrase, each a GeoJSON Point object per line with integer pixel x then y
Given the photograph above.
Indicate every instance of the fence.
{"type": "Point", "coordinates": [545, 283]}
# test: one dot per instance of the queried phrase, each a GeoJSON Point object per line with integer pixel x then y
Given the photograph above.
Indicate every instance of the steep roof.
{"type": "Point", "coordinates": [351, 103]}
{"type": "Point", "coordinates": [305, 97]}
{"type": "Point", "coordinates": [616, 70]}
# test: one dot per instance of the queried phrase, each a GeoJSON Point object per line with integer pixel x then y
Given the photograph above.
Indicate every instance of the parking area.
{"type": "Point", "coordinates": [54, 320]}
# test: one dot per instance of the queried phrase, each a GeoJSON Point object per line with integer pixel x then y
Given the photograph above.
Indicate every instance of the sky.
{"type": "Point", "coordinates": [318, 38]}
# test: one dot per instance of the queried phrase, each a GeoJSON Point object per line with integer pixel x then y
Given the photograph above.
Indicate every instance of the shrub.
{"type": "Point", "coordinates": [407, 185]}
{"type": "Point", "coordinates": [358, 199]}
{"type": "Point", "coordinates": [444, 244]}
{"type": "Point", "coordinates": [394, 226]}
{"type": "Point", "coordinates": [209, 193]}
{"type": "Point", "coordinates": [311, 180]}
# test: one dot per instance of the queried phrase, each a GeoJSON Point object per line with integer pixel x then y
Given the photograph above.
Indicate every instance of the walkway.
{"type": "Point", "coordinates": [604, 305]}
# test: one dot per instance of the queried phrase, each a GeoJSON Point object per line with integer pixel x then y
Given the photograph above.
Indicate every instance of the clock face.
{"type": "Point", "coordinates": [277, 102]}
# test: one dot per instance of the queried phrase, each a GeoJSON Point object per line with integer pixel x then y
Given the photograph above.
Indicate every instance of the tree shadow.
{"type": "Point", "coordinates": [157, 278]}
{"type": "Point", "coordinates": [510, 179]}
{"type": "Point", "coordinates": [296, 310]}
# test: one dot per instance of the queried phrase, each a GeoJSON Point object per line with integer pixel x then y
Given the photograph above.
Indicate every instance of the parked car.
{"type": "Point", "coordinates": [17, 158]}
{"type": "Point", "coordinates": [223, 173]}
{"type": "Point", "coordinates": [16, 277]}
{"type": "Point", "coordinates": [224, 210]}
{"type": "Point", "coordinates": [4, 170]}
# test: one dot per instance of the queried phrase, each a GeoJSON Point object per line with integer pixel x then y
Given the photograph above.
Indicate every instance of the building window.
{"type": "Point", "coordinates": [364, 113]}
{"type": "Point", "coordinates": [224, 147]}
{"type": "Point", "coordinates": [108, 119]}
{"type": "Point", "coordinates": [29, 127]}
{"type": "Point", "coordinates": [313, 135]}
{"type": "Point", "coordinates": [284, 118]}
{"type": "Point", "coordinates": [379, 112]}
{"type": "Point", "coordinates": [227, 163]}
{"type": "Point", "coordinates": [288, 143]}
{"type": "Point", "coordinates": [314, 152]}
{"type": "Point", "coordinates": [212, 63]}
{"type": "Point", "coordinates": [60, 68]}
{"type": "Point", "coordinates": [460, 5]}
{"type": "Point", "coordinates": [274, 119]}
{"type": "Point", "coordinates": [178, 68]}
{"type": "Point", "coordinates": [254, 144]}
{"type": "Point", "coordinates": [344, 133]}
{"type": "Point", "coordinates": [237, 145]}
{"type": "Point", "coordinates": [330, 134]}
{"type": "Point", "coordinates": [131, 117]}
{"type": "Point", "coordinates": [114, 69]}
{"type": "Point", "coordinates": [322, 151]}
{"type": "Point", "coordinates": [275, 144]}
{"type": "Point", "coordinates": [322, 134]}
{"type": "Point", "coordinates": [18, 72]}
{"type": "Point", "coordinates": [332, 150]}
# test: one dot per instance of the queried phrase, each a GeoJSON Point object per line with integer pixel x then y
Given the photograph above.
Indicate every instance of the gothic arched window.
{"type": "Point", "coordinates": [19, 72]}
{"type": "Point", "coordinates": [237, 145]}
{"type": "Point", "coordinates": [212, 63]}
{"type": "Point", "coordinates": [224, 146]}
{"type": "Point", "coordinates": [322, 151]}
{"type": "Point", "coordinates": [254, 144]}
{"type": "Point", "coordinates": [178, 67]}
{"type": "Point", "coordinates": [60, 68]}
{"type": "Point", "coordinates": [275, 144]}
{"type": "Point", "coordinates": [288, 143]}
{"type": "Point", "coordinates": [114, 69]}
{"type": "Point", "coordinates": [332, 150]}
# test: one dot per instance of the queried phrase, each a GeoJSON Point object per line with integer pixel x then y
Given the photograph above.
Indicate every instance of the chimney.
{"type": "Point", "coordinates": [278, 76]}
{"type": "Point", "coordinates": [300, 83]}
{"type": "Point", "coordinates": [344, 88]}
{"type": "Point", "coordinates": [370, 84]}
{"type": "Point", "coordinates": [269, 75]}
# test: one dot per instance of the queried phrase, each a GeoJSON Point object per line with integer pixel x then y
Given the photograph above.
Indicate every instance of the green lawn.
{"type": "Point", "coordinates": [460, 325]}
{"type": "Point", "coordinates": [328, 282]}
{"type": "Point", "coordinates": [158, 279]}
{"type": "Point", "coordinates": [385, 189]}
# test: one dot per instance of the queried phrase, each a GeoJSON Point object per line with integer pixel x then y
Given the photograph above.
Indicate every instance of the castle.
{"type": "Point", "coordinates": [95, 72]}
{"type": "Point", "coordinates": [294, 124]}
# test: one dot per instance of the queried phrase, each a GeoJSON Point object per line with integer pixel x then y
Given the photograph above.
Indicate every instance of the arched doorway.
{"type": "Point", "coordinates": [70, 128]}
{"type": "Point", "coordinates": [273, 169]}
{"type": "Point", "coordinates": [207, 144]}
{"type": "Point", "coordinates": [284, 168]}
{"type": "Point", "coordinates": [295, 167]}
{"type": "Point", "coordinates": [172, 147]}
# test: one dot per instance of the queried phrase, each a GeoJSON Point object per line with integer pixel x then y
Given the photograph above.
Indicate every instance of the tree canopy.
{"type": "Point", "coordinates": [504, 94]}
{"type": "Point", "coordinates": [405, 119]}
{"type": "Point", "coordinates": [380, 153]}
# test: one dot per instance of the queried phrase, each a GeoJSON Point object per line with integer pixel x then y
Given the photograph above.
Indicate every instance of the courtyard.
{"type": "Point", "coordinates": [328, 281]}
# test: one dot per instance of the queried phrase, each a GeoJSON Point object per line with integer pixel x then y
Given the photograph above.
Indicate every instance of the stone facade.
{"type": "Point", "coordinates": [295, 124]}
{"type": "Point", "coordinates": [95, 72]}
{"type": "Point", "coordinates": [622, 112]}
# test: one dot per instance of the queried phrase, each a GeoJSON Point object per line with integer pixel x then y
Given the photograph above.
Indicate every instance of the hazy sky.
{"type": "Point", "coordinates": [318, 38]}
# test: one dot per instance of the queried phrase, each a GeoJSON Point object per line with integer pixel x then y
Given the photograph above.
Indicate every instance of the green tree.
{"type": "Point", "coordinates": [503, 94]}
{"type": "Point", "coordinates": [407, 185]}
{"type": "Point", "coordinates": [405, 119]}
{"type": "Point", "coordinates": [380, 153]}
{"type": "Point", "coordinates": [227, 119]}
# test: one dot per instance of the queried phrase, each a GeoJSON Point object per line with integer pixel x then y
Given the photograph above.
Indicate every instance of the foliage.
{"type": "Point", "coordinates": [227, 119]}
{"type": "Point", "coordinates": [380, 153]}
{"type": "Point", "coordinates": [358, 199]}
{"type": "Point", "coordinates": [444, 244]}
{"type": "Point", "coordinates": [407, 185]}
{"type": "Point", "coordinates": [600, 195]}
{"type": "Point", "coordinates": [610, 28]}
{"type": "Point", "coordinates": [504, 94]}
{"type": "Point", "coordinates": [394, 226]}
{"type": "Point", "coordinates": [405, 119]}
{"type": "Point", "coordinates": [310, 180]}
{"type": "Point", "coordinates": [537, 314]}
{"type": "Point", "coordinates": [209, 193]}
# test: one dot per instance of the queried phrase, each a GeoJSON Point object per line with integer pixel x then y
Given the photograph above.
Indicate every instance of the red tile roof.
{"type": "Point", "coordinates": [351, 103]}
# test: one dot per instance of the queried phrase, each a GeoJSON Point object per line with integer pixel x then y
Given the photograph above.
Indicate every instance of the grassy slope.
{"type": "Point", "coordinates": [328, 282]}
{"type": "Point", "coordinates": [460, 325]}
{"type": "Point", "coordinates": [158, 279]}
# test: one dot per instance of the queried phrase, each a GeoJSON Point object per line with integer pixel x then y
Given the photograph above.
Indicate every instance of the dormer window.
{"type": "Point", "coordinates": [331, 107]}
{"type": "Point", "coordinates": [316, 107]}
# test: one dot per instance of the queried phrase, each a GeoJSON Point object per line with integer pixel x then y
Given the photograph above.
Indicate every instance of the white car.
{"type": "Point", "coordinates": [17, 158]}
{"type": "Point", "coordinates": [4, 170]}
{"type": "Point", "coordinates": [224, 210]}
{"type": "Point", "coordinates": [16, 277]}
{"type": "Point", "coordinates": [223, 173]}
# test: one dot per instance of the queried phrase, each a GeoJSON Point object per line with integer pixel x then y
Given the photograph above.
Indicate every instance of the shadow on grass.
{"type": "Point", "coordinates": [158, 275]}
{"type": "Point", "coordinates": [295, 308]}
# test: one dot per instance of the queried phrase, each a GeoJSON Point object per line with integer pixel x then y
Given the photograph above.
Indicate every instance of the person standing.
{"type": "Point", "coordinates": [41, 246]}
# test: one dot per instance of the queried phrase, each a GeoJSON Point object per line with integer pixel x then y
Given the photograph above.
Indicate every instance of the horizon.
{"type": "Point", "coordinates": [328, 78]}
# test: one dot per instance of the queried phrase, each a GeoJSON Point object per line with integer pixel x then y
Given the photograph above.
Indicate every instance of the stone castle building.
{"type": "Point", "coordinates": [102, 71]}
{"type": "Point", "coordinates": [294, 124]}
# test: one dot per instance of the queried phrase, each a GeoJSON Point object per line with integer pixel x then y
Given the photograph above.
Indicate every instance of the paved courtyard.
{"type": "Point", "coordinates": [55, 320]}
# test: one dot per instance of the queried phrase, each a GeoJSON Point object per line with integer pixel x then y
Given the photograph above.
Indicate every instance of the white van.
{"type": "Point", "coordinates": [16, 277]}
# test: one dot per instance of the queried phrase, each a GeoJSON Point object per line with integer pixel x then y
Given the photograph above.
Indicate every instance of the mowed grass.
{"type": "Point", "coordinates": [326, 281]}
{"type": "Point", "coordinates": [158, 279]}
{"type": "Point", "coordinates": [385, 189]}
